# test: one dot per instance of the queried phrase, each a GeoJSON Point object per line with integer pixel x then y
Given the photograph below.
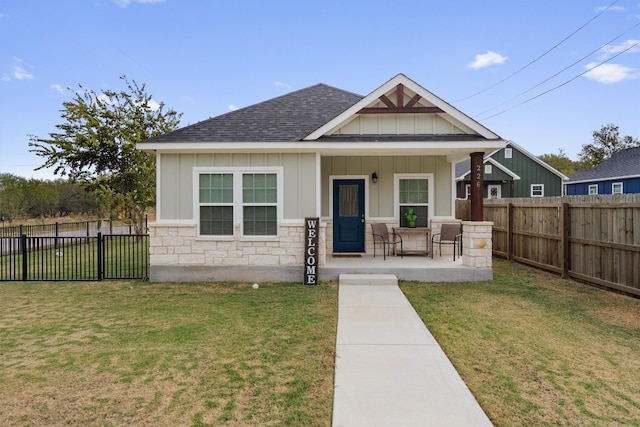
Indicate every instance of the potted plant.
{"type": "Point", "coordinates": [411, 217]}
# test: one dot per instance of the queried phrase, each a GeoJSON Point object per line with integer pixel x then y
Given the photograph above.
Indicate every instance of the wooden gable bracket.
{"type": "Point", "coordinates": [400, 107]}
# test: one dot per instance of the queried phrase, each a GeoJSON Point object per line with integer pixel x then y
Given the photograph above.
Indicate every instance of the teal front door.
{"type": "Point", "coordinates": [348, 215]}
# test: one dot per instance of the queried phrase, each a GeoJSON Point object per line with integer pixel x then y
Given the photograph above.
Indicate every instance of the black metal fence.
{"type": "Point", "coordinates": [64, 258]}
{"type": "Point", "coordinates": [76, 229]}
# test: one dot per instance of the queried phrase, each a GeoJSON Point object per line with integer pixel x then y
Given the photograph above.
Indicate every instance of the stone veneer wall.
{"type": "Point", "coordinates": [477, 244]}
{"type": "Point", "coordinates": [179, 245]}
{"type": "Point", "coordinates": [178, 254]}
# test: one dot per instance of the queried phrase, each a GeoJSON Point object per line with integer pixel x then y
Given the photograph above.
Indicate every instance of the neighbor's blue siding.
{"type": "Point", "coordinates": [630, 185]}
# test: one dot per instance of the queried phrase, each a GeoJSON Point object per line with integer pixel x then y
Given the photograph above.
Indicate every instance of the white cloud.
{"type": "Point", "coordinates": [125, 3]}
{"type": "Point", "coordinates": [610, 50]}
{"type": "Point", "coordinates": [104, 99]}
{"type": "Point", "coordinates": [610, 73]}
{"type": "Point", "coordinates": [57, 88]}
{"type": "Point", "coordinates": [232, 107]}
{"type": "Point", "coordinates": [153, 105]}
{"type": "Point", "coordinates": [282, 84]}
{"type": "Point", "coordinates": [18, 70]}
{"type": "Point", "coordinates": [487, 59]}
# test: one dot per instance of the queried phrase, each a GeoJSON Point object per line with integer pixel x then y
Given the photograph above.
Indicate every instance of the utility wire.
{"type": "Point", "coordinates": [565, 83]}
{"type": "Point", "coordinates": [559, 72]}
{"type": "Point", "coordinates": [541, 56]}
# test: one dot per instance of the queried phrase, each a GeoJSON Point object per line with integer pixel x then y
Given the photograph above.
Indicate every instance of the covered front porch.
{"type": "Point", "coordinates": [410, 267]}
{"type": "Point", "coordinates": [475, 264]}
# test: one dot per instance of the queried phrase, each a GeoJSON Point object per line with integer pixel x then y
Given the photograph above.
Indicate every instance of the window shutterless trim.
{"type": "Point", "coordinates": [238, 205]}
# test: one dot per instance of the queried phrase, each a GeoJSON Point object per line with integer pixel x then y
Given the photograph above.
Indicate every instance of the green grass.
{"type": "Point", "coordinates": [534, 349]}
{"type": "Point", "coordinates": [125, 353]}
{"type": "Point", "coordinates": [124, 257]}
{"type": "Point", "coordinates": [537, 350]}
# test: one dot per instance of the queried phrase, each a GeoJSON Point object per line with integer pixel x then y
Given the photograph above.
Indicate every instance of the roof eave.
{"type": "Point", "coordinates": [583, 181]}
{"type": "Point", "coordinates": [448, 148]}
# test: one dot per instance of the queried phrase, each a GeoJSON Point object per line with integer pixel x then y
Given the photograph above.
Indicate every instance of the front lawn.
{"type": "Point", "coordinates": [132, 353]}
{"type": "Point", "coordinates": [534, 349]}
{"type": "Point", "coordinates": [537, 350]}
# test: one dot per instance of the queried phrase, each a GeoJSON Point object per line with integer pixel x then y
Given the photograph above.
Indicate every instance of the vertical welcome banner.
{"type": "Point", "coordinates": [311, 229]}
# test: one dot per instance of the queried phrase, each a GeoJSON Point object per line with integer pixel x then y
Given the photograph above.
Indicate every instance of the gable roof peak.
{"type": "Point", "coordinates": [431, 104]}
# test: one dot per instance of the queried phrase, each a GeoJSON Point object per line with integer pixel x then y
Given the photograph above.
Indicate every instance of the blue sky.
{"type": "Point", "coordinates": [491, 59]}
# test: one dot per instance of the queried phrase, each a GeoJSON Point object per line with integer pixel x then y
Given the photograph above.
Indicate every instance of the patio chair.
{"type": "Point", "coordinates": [380, 233]}
{"type": "Point", "coordinates": [450, 234]}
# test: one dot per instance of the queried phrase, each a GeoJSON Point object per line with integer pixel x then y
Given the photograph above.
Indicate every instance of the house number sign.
{"type": "Point", "coordinates": [311, 226]}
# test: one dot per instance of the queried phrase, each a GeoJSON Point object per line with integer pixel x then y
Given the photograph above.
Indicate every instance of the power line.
{"type": "Point", "coordinates": [561, 71]}
{"type": "Point", "coordinates": [565, 83]}
{"type": "Point", "coordinates": [541, 56]}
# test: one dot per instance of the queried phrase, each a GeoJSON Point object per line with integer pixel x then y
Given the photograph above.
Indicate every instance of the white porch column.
{"type": "Point", "coordinates": [476, 243]}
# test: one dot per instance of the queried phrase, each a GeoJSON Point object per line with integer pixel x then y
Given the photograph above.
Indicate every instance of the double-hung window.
{"type": "Point", "coordinates": [260, 204]}
{"type": "Point", "coordinates": [616, 188]}
{"type": "Point", "coordinates": [414, 191]}
{"type": "Point", "coordinates": [216, 204]}
{"type": "Point", "coordinates": [537, 190]}
{"type": "Point", "coordinates": [248, 196]}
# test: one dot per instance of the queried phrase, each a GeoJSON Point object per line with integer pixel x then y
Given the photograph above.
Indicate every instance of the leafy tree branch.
{"type": "Point", "coordinates": [96, 145]}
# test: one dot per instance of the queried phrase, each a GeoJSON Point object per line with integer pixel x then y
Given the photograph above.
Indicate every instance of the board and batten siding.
{"type": "Point", "coordinates": [399, 124]}
{"type": "Point", "coordinates": [176, 180]}
{"type": "Point", "coordinates": [530, 172]}
{"type": "Point", "coordinates": [381, 194]}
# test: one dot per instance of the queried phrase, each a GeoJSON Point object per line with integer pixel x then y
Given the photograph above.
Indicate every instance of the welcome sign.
{"type": "Point", "coordinates": [311, 250]}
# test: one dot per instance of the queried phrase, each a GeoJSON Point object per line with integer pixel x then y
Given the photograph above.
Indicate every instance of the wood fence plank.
{"type": "Point", "coordinates": [592, 238]}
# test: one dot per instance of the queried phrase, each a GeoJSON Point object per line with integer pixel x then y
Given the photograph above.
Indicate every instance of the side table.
{"type": "Point", "coordinates": [399, 231]}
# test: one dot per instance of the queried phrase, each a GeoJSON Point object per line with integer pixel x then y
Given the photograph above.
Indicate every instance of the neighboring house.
{"type": "Point", "coordinates": [511, 172]}
{"type": "Point", "coordinates": [619, 174]}
{"type": "Point", "coordinates": [233, 191]}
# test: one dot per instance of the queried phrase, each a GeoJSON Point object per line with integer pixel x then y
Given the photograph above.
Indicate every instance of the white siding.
{"type": "Point", "coordinates": [176, 180]}
{"type": "Point", "coordinates": [399, 124]}
{"type": "Point", "coordinates": [381, 194]}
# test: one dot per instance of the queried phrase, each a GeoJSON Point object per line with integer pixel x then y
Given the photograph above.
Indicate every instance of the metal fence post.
{"type": "Point", "coordinates": [100, 257]}
{"type": "Point", "coordinates": [23, 250]}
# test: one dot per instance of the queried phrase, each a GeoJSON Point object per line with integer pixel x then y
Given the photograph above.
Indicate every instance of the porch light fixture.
{"type": "Point", "coordinates": [374, 177]}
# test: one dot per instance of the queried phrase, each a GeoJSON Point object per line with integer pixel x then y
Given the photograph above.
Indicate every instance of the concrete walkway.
{"type": "Point", "coordinates": [390, 371]}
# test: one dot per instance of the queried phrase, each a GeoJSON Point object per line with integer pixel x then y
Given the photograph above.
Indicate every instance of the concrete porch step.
{"type": "Point", "coordinates": [367, 279]}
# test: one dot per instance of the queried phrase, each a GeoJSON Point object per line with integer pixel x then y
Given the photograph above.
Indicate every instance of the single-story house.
{"type": "Point", "coordinates": [510, 172]}
{"type": "Point", "coordinates": [240, 195]}
{"type": "Point", "coordinates": [620, 174]}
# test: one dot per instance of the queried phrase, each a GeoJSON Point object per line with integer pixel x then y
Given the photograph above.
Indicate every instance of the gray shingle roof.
{"type": "Point", "coordinates": [463, 167]}
{"type": "Point", "coordinates": [289, 117]}
{"type": "Point", "coordinates": [622, 163]}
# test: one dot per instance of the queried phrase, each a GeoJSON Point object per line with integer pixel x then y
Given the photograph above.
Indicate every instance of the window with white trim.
{"type": "Point", "coordinates": [216, 204]}
{"type": "Point", "coordinates": [249, 197]}
{"type": "Point", "coordinates": [616, 188]}
{"type": "Point", "coordinates": [488, 169]}
{"type": "Point", "coordinates": [508, 153]}
{"type": "Point", "coordinates": [537, 190]}
{"type": "Point", "coordinates": [260, 204]}
{"type": "Point", "coordinates": [413, 193]}
{"type": "Point", "coordinates": [467, 190]}
{"type": "Point", "coordinates": [593, 189]}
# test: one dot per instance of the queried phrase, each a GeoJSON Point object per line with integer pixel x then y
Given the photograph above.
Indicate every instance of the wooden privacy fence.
{"type": "Point", "coordinates": [595, 239]}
